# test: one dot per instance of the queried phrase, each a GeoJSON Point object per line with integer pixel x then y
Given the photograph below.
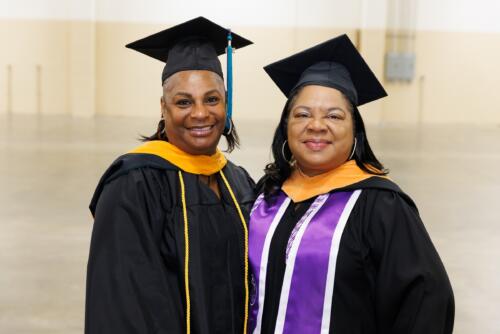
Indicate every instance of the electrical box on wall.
{"type": "Point", "coordinates": [399, 66]}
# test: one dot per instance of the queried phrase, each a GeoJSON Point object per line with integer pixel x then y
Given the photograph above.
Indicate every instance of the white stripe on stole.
{"type": "Point", "coordinates": [332, 262]}
{"type": "Point", "coordinates": [263, 262]}
{"type": "Point", "coordinates": [257, 203]}
{"type": "Point", "coordinates": [290, 264]}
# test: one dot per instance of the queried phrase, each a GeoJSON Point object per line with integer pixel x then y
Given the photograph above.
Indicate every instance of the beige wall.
{"type": "Point", "coordinates": [82, 68]}
{"type": "Point", "coordinates": [52, 67]}
{"type": "Point", "coordinates": [456, 80]}
{"type": "Point", "coordinates": [26, 49]}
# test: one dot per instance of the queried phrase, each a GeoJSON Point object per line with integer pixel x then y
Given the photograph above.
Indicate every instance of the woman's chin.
{"type": "Point", "coordinates": [317, 166]}
{"type": "Point", "coordinates": [203, 147]}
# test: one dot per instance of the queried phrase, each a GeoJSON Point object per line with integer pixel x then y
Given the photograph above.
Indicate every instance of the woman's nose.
{"type": "Point", "coordinates": [199, 111]}
{"type": "Point", "coordinates": [316, 124]}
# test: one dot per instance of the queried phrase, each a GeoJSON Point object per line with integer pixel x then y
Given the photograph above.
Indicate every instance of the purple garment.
{"type": "Point", "coordinates": [307, 289]}
{"type": "Point", "coordinates": [261, 219]}
{"type": "Point", "coordinates": [308, 261]}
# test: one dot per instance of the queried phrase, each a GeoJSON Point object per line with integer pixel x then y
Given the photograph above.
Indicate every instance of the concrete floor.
{"type": "Point", "coordinates": [50, 165]}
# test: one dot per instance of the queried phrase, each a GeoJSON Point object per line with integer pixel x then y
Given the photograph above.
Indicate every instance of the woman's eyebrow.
{"type": "Point", "coordinates": [336, 108]}
{"type": "Point", "coordinates": [301, 107]}
{"type": "Point", "coordinates": [212, 91]}
{"type": "Point", "coordinates": [328, 110]}
{"type": "Point", "coordinates": [183, 94]}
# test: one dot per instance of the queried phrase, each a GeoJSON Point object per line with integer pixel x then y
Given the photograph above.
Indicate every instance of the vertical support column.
{"type": "Point", "coordinates": [82, 67]}
{"type": "Point", "coordinates": [421, 99]}
{"type": "Point", "coordinates": [9, 89]}
{"type": "Point", "coordinates": [371, 44]}
{"type": "Point", "coordinates": [39, 89]}
{"type": "Point", "coordinates": [359, 36]}
{"type": "Point", "coordinates": [406, 102]}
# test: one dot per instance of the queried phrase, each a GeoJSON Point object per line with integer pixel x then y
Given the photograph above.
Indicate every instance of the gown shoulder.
{"type": "Point", "coordinates": [412, 292]}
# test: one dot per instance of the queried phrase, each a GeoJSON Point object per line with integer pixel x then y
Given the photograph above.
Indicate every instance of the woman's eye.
{"type": "Point", "coordinates": [183, 103]}
{"type": "Point", "coordinates": [334, 116]}
{"type": "Point", "coordinates": [213, 99]}
{"type": "Point", "coordinates": [302, 115]}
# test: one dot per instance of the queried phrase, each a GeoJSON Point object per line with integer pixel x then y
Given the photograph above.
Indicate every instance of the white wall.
{"type": "Point", "coordinates": [442, 15]}
{"type": "Point", "coordinates": [459, 15]}
{"type": "Point", "coordinates": [48, 9]}
{"type": "Point", "coordinates": [313, 13]}
{"type": "Point", "coordinates": [373, 14]}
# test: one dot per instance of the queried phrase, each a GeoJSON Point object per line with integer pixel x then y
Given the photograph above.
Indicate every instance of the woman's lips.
{"type": "Point", "coordinates": [316, 144]}
{"type": "Point", "coordinates": [201, 131]}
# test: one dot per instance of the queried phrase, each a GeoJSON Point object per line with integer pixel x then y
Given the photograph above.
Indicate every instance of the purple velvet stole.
{"type": "Point", "coordinates": [311, 256]}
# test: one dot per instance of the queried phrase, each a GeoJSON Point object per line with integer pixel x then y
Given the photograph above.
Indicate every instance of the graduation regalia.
{"type": "Point", "coordinates": [355, 259]}
{"type": "Point", "coordinates": [136, 271]}
{"type": "Point", "coordinates": [167, 254]}
{"type": "Point", "coordinates": [343, 252]}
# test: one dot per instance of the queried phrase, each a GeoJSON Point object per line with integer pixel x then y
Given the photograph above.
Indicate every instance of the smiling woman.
{"type": "Point", "coordinates": [320, 129]}
{"type": "Point", "coordinates": [193, 107]}
{"type": "Point", "coordinates": [335, 246]}
{"type": "Point", "coordinates": [169, 244]}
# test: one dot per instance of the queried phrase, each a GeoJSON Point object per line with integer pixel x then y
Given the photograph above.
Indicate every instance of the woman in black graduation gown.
{"type": "Point", "coordinates": [169, 244]}
{"type": "Point", "coordinates": [335, 245]}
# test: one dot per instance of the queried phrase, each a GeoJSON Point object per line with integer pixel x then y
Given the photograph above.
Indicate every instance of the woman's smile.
{"type": "Point", "coordinates": [201, 130]}
{"type": "Point", "coordinates": [316, 144]}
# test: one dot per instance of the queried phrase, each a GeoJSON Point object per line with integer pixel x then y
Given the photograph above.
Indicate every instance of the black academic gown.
{"type": "Point", "coordinates": [389, 277]}
{"type": "Point", "coordinates": [135, 278]}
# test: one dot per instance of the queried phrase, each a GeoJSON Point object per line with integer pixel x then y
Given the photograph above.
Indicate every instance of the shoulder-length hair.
{"type": "Point", "coordinates": [280, 169]}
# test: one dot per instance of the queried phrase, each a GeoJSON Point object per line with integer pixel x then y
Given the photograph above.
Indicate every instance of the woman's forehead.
{"type": "Point", "coordinates": [194, 78]}
{"type": "Point", "coordinates": [318, 91]}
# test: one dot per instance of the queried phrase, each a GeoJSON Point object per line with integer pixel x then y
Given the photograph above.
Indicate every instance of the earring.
{"type": "Point", "coordinates": [226, 131]}
{"type": "Point", "coordinates": [290, 162]}
{"type": "Point", "coordinates": [353, 149]}
{"type": "Point", "coordinates": [163, 130]}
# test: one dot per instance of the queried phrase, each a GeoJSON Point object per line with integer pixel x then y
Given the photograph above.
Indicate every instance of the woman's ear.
{"type": "Point", "coordinates": [163, 107]}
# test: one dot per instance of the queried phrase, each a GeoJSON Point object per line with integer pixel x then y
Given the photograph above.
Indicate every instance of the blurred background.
{"type": "Point", "coordinates": [73, 98]}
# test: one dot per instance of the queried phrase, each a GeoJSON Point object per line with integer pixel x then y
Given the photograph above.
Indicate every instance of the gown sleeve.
{"type": "Point", "coordinates": [413, 294]}
{"type": "Point", "coordinates": [126, 287]}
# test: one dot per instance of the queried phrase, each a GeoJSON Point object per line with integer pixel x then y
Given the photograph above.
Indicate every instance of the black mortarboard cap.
{"type": "Point", "coordinates": [192, 45]}
{"type": "Point", "coordinates": [335, 63]}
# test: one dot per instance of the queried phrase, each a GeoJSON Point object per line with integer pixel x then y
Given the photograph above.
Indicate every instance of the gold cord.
{"type": "Point", "coordinates": [245, 231]}
{"type": "Point", "coordinates": [186, 256]}
{"type": "Point", "coordinates": [186, 251]}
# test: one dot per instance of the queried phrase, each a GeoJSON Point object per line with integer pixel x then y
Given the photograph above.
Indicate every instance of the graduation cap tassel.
{"type": "Point", "coordinates": [229, 82]}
